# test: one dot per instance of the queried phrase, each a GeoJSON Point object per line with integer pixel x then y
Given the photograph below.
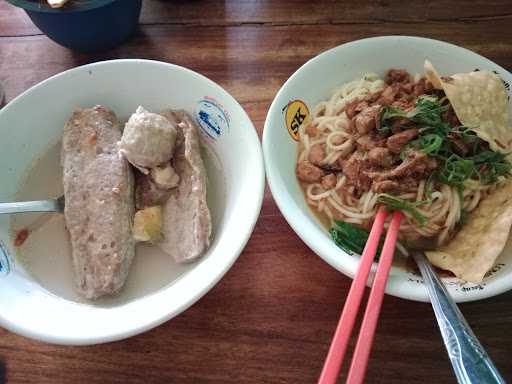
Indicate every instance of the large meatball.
{"type": "Point", "coordinates": [148, 139]}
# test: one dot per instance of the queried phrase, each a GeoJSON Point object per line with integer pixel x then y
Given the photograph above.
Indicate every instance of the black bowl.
{"type": "Point", "coordinates": [85, 25]}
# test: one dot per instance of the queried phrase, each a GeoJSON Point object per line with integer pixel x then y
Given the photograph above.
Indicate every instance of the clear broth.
{"type": "Point", "coordinates": [46, 253]}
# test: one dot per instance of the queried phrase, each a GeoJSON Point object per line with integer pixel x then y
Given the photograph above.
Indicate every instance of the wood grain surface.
{"type": "Point", "coordinates": [270, 320]}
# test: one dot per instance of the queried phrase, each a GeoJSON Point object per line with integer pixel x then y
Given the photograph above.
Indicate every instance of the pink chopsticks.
{"type": "Point", "coordinates": [341, 337]}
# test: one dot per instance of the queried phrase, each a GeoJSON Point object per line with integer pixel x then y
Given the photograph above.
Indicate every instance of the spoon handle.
{"type": "Point", "coordinates": [469, 359]}
{"type": "Point", "coordinates": [30, 206]}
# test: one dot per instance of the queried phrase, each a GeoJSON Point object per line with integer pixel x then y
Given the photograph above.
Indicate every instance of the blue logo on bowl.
{"type": "Point", "coordinates": [5, 260]}
{"type": "Point", "coordinates": [211, 118]}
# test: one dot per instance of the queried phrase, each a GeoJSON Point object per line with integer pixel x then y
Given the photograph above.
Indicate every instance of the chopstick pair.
{"type": "Point", "coordinates": [339, 343]}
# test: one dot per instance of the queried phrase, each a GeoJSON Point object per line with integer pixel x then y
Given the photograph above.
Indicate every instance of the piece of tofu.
{"type": "Point", "coordinates": [99, 193]}
{"type": "Point", "coordinates": [147, 224]}
{"type": "Point", "coordinates": [186, 221]}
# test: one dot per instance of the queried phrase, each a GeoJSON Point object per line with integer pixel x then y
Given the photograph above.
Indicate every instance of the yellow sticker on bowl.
{"type": "Point", "coordinates": [296, 113]}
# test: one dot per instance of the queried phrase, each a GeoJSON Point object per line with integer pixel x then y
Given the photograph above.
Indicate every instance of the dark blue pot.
{"type": "Point", "coordinates": [85, 25]}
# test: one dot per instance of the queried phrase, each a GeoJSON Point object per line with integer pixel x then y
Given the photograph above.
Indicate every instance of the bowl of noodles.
{"type": "Point", "coordinates": [411, 124]}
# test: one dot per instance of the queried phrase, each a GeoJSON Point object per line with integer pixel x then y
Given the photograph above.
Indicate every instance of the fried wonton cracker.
{"type": "Point", "coordinates": [479, 100]}
{"type": "Point", "coordinates": [474, 249]}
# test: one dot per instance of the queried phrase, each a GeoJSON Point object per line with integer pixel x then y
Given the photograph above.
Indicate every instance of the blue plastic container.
{"type": "Point", "coordinates": [85, 25]}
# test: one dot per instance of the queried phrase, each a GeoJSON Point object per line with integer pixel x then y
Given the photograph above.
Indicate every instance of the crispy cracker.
{"type": "Point", "coordinates": [474, 249]}
{"type": "Point", "coordinates": [479, 100]}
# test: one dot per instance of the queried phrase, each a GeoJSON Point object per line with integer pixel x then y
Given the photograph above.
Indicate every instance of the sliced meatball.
{"type": "Point", "coordinates": [98, 187]}
{"type": "Point", "coordinates": [317, 154]}
{"type": "Point", "coordinates": [329, 181]}
{"type": "Point", "coordinates": [186, 218]}
{"type": "Point", "coordinates": [380, 157]}
{"type": "Point", "coordinates": [396, 142]}
{"type": "Point", "coordinates": [308, 172]}
{"type": "Point", "coordinates": [367, 119]}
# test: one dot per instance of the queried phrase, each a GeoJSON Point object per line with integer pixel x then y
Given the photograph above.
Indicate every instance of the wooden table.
{"type": "Point", "coordinates": [270, 320]}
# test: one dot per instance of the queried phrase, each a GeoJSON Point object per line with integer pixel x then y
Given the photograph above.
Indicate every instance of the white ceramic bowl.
{"type": "Point", "coordinates": [314, 82]}
{"type": "Point", "coordinates": [37, 298]}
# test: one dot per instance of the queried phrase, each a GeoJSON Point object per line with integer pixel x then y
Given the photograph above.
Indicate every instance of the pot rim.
{"type": "Point", "coordinates": [43, 7]}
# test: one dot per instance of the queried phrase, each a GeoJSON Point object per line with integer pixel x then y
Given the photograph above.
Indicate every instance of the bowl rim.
{"type": "Point", "coordinates": [251, 214]}
{"type": "Point", "coordinates": [33, 6]}
{"type": "Point", "coordinates": [349, 267]}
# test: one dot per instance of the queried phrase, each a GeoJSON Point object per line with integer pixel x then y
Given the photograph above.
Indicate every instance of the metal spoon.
{"type": "Point", "coordinates": [469, 360]}
{"type": "Point", "coordinates": [54, 205]}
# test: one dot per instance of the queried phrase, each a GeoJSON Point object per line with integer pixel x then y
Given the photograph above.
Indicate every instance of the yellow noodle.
{"type": "Point", "coordinates": [332, 126]}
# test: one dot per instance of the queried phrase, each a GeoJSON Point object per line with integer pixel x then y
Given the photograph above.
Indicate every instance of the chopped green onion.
{"type": "Point", "coordinates": [466, 134]}
{"type": "Point", "coordinates": [393, 203]}
{"type": "Point", "coordinates": [349, 237]}
{"type": "Point", "coordinates": [430, 143]}
{"type": "Point", "coordinates": [427, 113]}
{"type": "Point", "coordinates": [455, 170]}
{"type": "Point", "coordinates": [389, 113]}
{"type": "Point", "coordinates": [435, 139]}
{"type": "Point", "coordinates": [490, 165]}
